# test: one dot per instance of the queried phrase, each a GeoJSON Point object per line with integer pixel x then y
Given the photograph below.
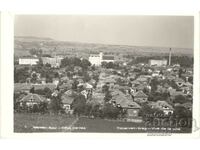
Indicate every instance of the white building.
{"type": "Point", "coordinates": [153, 62]}
{"type": "Point", "coordinates": [97, 59]}
{"type": "Point", "coordinates": [53, 61]}
{"type": "Point", "coordinates": [28, 61]}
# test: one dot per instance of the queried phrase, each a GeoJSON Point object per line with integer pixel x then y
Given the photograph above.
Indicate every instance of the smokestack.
{"type": "Point", "coordinates": [170, 55]}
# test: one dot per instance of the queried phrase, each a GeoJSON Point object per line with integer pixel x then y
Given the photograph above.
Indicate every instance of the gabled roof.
{"type": "Point", "coordinates": [129, 104]}
{"type": "Point", "coordinates": [33, 97]}
{"type": "Point", "coordinates": [140, 94]}
{"type": "Point", "coordinates": [67, 99]}
{"type": "Point", "coordinates": [123, 100]}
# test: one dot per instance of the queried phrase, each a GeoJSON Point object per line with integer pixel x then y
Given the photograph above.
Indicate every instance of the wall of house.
{"type": "Point", "coordinates": [132, 112]}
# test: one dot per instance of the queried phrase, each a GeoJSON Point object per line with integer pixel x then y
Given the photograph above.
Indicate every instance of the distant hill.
{"type": "Point", "coordinates": [32, 38]}
{"type": "Point", "coordinates": [24, 43]}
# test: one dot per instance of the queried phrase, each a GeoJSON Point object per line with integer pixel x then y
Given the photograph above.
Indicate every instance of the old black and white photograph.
{"type": "Point", "coordinates": [103, 73]}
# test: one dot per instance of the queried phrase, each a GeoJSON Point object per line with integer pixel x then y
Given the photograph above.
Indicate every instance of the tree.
{"type": "Point", "coordinates": [154, 83]}
{"type": "Point", "coordinates": [65, 62]}
{"type": "Point", "coordinates": [108, 96]}
{"type": "Point", "coordinates": [110, 111]}
{"type": "Point", "coordinates": [49, 78]}
{"type": "Point", "coordinates": [182, 112]}
{"type": "Point", "coordinates": [110, 65]}
{"type": "Point", "coordinates": [56, 104]}
{"type": "Point", "coordinates": [20, 75]}
{"type": "Point", "coordinates": [105, 88]}
{"type": "Point", "coordinates": [56, 75]}
{"type": "Point", "coordinates": [75, 84]}
{"type": "Point", "coordinates": [32, 90]}
{"type": "Point", "coordinates": [180, 72]}
{"type": "Point", "coordinates": [48, 65]}
{"type": "Point", "coordinates": [47, 92]}
{"type": "Point", "coordinates": [43, 107]}
{"type": "Point", "coordinates": [35, 108]}
{"type": "Point", "coordinates": [146, 112]}
{"type": "Point", "coordinates": [104, 64]}
{"type": "Point", "coordinates": [79, 105]}
{"type": "Point", "coordinates": [180, 99]}
{"type": "Point", "coordinates": [33, 51]}
{"type": "Point", "coordinates": [16, 102]}
{"type": "Point", "coordinates": [34, 78]}
{"type": "Point", "coordinates": [85, 63]}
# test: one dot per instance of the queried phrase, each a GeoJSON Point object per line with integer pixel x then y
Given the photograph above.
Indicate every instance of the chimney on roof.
{"type": "Point", "coordinates": [170, 55]}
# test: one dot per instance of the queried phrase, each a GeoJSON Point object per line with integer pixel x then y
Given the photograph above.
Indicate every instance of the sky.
{"type": "Point", "coordinates": [161, 31]}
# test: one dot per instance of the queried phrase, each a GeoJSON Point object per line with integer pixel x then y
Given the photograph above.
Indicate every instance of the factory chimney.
{"type": "Point", "coordinates": [170, 55]}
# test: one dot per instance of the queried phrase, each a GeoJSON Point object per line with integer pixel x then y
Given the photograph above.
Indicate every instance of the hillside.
{"type": "Point", "coordinates": [24, 43]}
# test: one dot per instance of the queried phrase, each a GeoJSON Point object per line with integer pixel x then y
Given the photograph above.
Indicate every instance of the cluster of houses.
{"type": "Point", "coordinates": [129, 90]}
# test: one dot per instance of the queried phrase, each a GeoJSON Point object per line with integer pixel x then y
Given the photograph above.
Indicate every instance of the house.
{"type": "Point", "coordinates": [32, 99]}
{"type": "Point", "coordinates": [126, 103]}
{"type": "Point", "coordinates": [163, 106]}
{"type": "Point", "coordinates": [140, 97]}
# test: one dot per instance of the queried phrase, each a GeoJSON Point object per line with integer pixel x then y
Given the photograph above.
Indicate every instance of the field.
{"type": "Point", "coordinates": [27, 123]}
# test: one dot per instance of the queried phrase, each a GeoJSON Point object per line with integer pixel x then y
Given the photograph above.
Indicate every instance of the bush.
{"type": "Point", "coordinates": [110, 111]}
{"type": "Point", "coordinates": [182, 112]}
{"type": "Point", "coordinates": [55, 104]}
{"type": "Point", "coordinates": [79, 105]}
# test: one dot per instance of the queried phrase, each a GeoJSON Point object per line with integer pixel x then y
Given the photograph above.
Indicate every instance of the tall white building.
{"type": "Point", "coordinates": [97, 59]}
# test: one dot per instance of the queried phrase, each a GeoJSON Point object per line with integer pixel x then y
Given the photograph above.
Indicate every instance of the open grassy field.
{"type": "Point", "coordinates": [41, 123]}
{"type": "Point", "coordinates": [62, 123]}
